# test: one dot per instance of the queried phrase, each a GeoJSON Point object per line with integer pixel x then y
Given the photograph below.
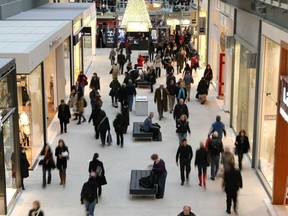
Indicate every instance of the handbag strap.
{"type": "Point", "coordinates": [102, 121]}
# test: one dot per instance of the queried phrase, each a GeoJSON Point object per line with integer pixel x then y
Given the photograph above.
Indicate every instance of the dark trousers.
{"type": "Point", "coordinates": [229, 197]}
{"type": "Point", "coordinates": [103, 137]}
{"type": "Point", "coordinates": [240, 158]}
{"type": "Point", "coordinates": [151, 56]}
{"type": "Point", "coordinates": [155, 131]}
{"type": "Point", "coordinates": [158, 72]}
{"type": "Point", "coordinates": [22, 182]}
{"type": "Point", "coordinates": [114, 99]}
{"type": "Point", "coordinates": [121, 68]}
{"type": "Point", "coordinates": [202, 169]}
{"type": "Point", "coordinates": [63, 124]}
{"type": "Point", "coordinates": [96, 132]}
{"type": "Point", "coordinates": [128, 57]}
{"type": "Point", "coordinates": [44, 170]}
{"type": "Point", "coordinates": [119, 138]}
{"type": "Point", "coordinates": [184, 166]}
{"type": "Point", "coordinates": [80, 115]}
{"type": "Point", "coordinates": [161, 184]}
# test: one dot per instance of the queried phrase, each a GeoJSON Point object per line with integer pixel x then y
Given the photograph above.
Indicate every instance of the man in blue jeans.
{"type": "Point", "coordinates": [131, 92]}
{"type": "Point", "coordinates": [215, 147]}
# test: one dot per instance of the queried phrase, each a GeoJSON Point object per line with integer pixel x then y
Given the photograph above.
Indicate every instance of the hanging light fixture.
{"type": "Point", "coordinates": [136, 17]}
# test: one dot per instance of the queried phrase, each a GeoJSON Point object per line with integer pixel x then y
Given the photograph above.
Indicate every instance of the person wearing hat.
{"type": "Point", "coordinates": [215, 147]}
{"type": "Point", "coordinates": [160, 98]}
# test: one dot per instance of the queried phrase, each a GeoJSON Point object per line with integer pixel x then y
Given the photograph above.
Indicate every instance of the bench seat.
{"type": "Point", "coordinates": [139, 134]}
{"type": "Point", "coordinates": [136, 189]}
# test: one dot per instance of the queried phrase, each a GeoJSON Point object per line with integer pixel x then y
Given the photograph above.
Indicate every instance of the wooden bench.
{"type": "Point", "coordinates": [138, 190]}
{"type": "Point", "coordinates": [139, 134]}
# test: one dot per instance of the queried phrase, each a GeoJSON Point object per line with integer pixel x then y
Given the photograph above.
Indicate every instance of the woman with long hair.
{"type": "Point", "coordinates": [62, 154]}
{"type": "Point", "coordinates": [242, 146]}
{"type": "Point", "coordinates": [47, 164]}
{"type": "Point", "coordinates": [182, 126]}
{"type": "Point", "coordinates": [201, 161]}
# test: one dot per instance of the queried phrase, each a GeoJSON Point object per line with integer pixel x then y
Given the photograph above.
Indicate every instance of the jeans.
{"type": "Point", "coordinates": [188, 88]}
{"type": "Point", "coordinates": [158, 72]}
{"type": "Point", "coordinates": [161, 185]}
{"type": "Point", "coordinates": [44, 169]}
{"type": "Point", "coordinates": [130, 101]}
{"type": "Point", "coordinates": [185, 165]}
{"type": "Point", "coordinates": [89, 207]}
{"type": "Point", "coordinates": [171, 99]}
{"type": "Point", "coordinates": [181, 136]}
{"type": "Point", "coordinates": [214, 165]}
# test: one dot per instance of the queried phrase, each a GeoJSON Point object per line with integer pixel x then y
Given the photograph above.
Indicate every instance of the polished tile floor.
{"type": "Point", "coordinates": [59, 201]}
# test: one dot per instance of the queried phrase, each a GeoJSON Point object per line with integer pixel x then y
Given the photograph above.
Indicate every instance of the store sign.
{"type": "Point", "coordinates": [202, 26]}
{"type": "Point", "coordinates": [110, 36]}
{"type": "Point", "coordinates": [85, 31]}
{"type": "Point", "coordinates": [284, 97]}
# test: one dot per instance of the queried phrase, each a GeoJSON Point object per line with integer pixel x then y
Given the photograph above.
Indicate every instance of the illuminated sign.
{"type": "Point", "coordinates": [284, 97]}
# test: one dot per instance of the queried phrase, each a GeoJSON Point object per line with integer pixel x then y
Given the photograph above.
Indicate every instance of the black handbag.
{"type": "Point", "coordinates": [41, 162]}
{"type": "Point", "coordinates": [103, 180]}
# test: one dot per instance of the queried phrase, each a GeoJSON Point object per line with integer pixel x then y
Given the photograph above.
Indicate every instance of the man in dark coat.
{"type": "Point", "coordinates": [121, 59]}
{"type": "Point", "coordinates": [160, 98]}
{"type": "Point", "coordinates": [64, 115]}
{"type": "Point", "coordinates": [95, 82]}
{"type": "Point", "coordinates": [89, 195]}
{"type": "Point", "coordinates": [180, 109]}
{"type": "Point", "coordinates": [131, 92]}
{"type": "Point", "coordinates": [185, 154]}
{"type": "Point", "coordinates": [231, 184]}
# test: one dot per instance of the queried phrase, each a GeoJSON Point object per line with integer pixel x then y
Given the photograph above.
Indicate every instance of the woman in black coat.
{"type": "Point", "coordinates": [24, 166]}
{"type": "Point", "coordinates": [208, 74]}
{"type": "Point", "coordinates": [114, 85]}
{"type": "Point", "coordinates": [62, 154]}
{"type": "Point", "coordinates": [125, 113]}
{"type": "Point", "coordinates": [103, 126]}
{"type": "Point", "coordinates": [242, 146]}
{"type": "Point", "coordinates": [202, 90]}
{"type": "Point", "coordinates": [119, 126]}
{"type": "Point", "coordinates": [97, 166]}
{"type": "Point", "coordinates": [201, 160]}
{"type": "Point", "coordinates": [122, 94]}
{"type": "Point", "coordinates": [47, 164]}
{"type": "Point", "coordinates": [182, 127]}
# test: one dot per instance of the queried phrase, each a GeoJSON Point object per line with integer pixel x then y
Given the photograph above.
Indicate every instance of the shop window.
{"type": "Point", "coordinates": [30, 102]}
{"type": "Point", "coordinates": [269, 109]}
{"type": "Point", "coordinates": [244, 91]}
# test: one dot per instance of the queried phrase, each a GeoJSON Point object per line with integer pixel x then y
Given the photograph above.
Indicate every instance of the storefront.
{"type": "Point", "coordinates": [221, 47]}
{"type": "Point", "coordinates": [272, 128]}
{"type": "Point", "coordinates": [202, 39]}
{"type": "Point", "coordinates": [83, 17]}
{"type": "Point", "coordinates": [9, 147]}
{"type": "Point", "coordinates": [41, 78]}
{"type": "Point", "coordinates": [244, 76]}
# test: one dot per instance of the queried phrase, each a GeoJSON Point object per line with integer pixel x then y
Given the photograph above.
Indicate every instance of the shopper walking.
{"type": "Point", "coordinates": [208, 75]}
{"type": "Point", "coordinates": [96, 166]}
{"type": "Point", "coordinates": [180, 109]}
{"type": "Point", "coordinates": [89, 195]}
{"type": "Point", "coordinates": [131, 92]}
{"type": "Point", "coordinates": [201, 161]}
{"type": "Point", "coordinates": [160, 98]}
{"type": "Point", "coordinates": [227, 159]}
{"type": "Point", "coordinates": [103, 126]}
{"type": "Point", "coordinates": [80, 107]}
{"type": "Point", "coordinates": [112, 56]}
{"type": "Point", "coordinates": [125, 114]}
{"type": "Point", "coordinates": [157, 64]}
{"type": "Point", "coordinates": [82, 81]}
{"type": "Point", "coordinates": [181, 91]}
{"type": "Point", "coordinates": [219, 127]}
{"type": "Point", "coordinates": [182, 127]}
{"type": "Point", "coordinates": [128, 50]}
{"type": "Point", "coordinates": [185, 154]}
{"type": "Point", "coordinates": [186, 211]}
{"type": "Point", "coordinates": [114, 71]}
{"type": "Point", "coordinates": [47, 164]}
{"type": "Point", "coordinates": [242, 146]}
{"type": "Point", "coordinates": [188, 80]}
{"type": "Point", "coordinates": [95, 82]}
{"type": "Point", "coordinates": [35, 210]}
{"type": "Point", "coordinates": [151, 50]}
{"type": "Point", "coordinates": [119, 127]}
{"type": "Point", "coordinates": [114, 85]}
{"type": "Point", "coordinates": [161, 173]}
{"type": "Point", "coordinates": [121, 59]}
{"type": "Point", "coordinates": [231, 184]}
{"type": "Point", "coordinates": [64, 116]}
{"type": "Point", "coordinates": [215, 147]}
{"type": "Point", "coordinates": [202, 91]}
{"type": "Point", "coordinates": [62, 155]}
{"type": "Point", "coordinates": [179, 60]}
{"type": "Point", "coordinates": [171, 88]}
{"type": "Point", "coordinates": [24, 166]}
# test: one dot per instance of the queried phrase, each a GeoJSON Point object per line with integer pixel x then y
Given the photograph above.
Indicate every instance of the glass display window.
{"type": "Point", "coordinates": [244, 92]}
{"type": "Point", "coordinates": [30, 102]}
{"type": "Point", "coordinates": [271, 60]}
{"type": "Point", "coordinates": [67, 60]}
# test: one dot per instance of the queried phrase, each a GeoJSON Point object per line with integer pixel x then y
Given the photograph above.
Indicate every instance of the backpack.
{"type": "Point", "coordinates": [214, 149]}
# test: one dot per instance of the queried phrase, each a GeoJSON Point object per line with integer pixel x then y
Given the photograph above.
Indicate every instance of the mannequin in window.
{"type": "Point", "coordinates": [24, 124]}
